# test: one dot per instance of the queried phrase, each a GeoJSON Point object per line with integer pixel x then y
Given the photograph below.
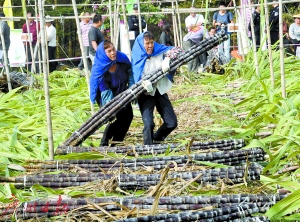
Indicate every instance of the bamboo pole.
{"type": "Point", "coordinates": [253, 41]}
{"type": "Point", "coordinates": [282, 73]}
{"type": "Point", "coordinates": [5, 58]}
{"type": "Point", "coordinates": [174, 26]}
{"type": "Point", "coordinates": [115, 23]}
{"type": "Point", "coordinates": [37, 43]}
{"type": "Point", "coordinates": [30, 41]}
{"type": "Point", "coordinates": [46, 83]}
{"type": "Point", "coordinates": [85, 64]}
{"type": "Point", "coordinates": [126, 27]}
{"type": "Point", "coordinates": [179, 23]}
{"type": "Point", "coordinates": [238, 33]}
{"type": "Point", "coordinates": [117, 27]}
{"type": "Point", "coordinates": [110, 21]}
{"type": "Point", "coordinates": [139, 15]}
{"type": "Point", "coordinates": [269, 43]}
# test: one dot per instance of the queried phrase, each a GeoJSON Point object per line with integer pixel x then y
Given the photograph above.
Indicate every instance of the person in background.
{"type": "Point", "coordinates": [274, 23]}
{"type": "Point", "coordinates": [102, 28]}
{"type": "Point", "coordinates": [85, 26]}
{"type": "Point", "coordinates": [5, 29]}
{"type": "Point", "coordinates": [194, 36]}
{"type": "Point", "coordinates": [95, 36]}
{"type": "Point", "coordinates": [51, 39]}
{"type": "Point", "coordinates": [256, 24]}
{"type": "Point", "coordinates": [294, 33]}
{"type": "Point", "coordinates": [165, 38]}
{"type": "Point", "coordinates": [223, 17]}
{"type": "Point", "coordinates": [133, 23]}
{"type": "Point", "coordinates": [111, 75]}
{"type": "Point", "coordinates": [33, 29]}
{"type": "Point", "coordinates": [212, 31]}
{"type": "Point", "coordinates": [147, 57]}
{"type": "Point", "coordinates": [193, 20]}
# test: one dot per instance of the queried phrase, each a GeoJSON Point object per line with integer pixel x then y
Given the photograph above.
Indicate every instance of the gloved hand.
{"type": "Point", "coordinates": [165, 65]}
{"type": "Point", "coordinates": [147, 85]}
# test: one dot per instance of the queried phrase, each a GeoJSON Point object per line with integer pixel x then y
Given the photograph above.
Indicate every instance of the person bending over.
{"type": "Point", "coordinates": [111, 75]}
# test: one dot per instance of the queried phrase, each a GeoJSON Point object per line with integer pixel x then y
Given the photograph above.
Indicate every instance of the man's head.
{"type": "Point", "coordinates": [135, 8]}
{"type": "Point", "coordinates": [297, 19]}
{"type": "Point", "coordinates": [212, 31]}
{"type": "Point", "coordinates": [97, 20]}
{"type": "Point", "coordinates": [193, 14]}
{"type": "Point", "coordinates": [148, 42]}
{"type": "Point", "coordinates": [86, 20]}
{"type": "Point", "coordinates": [222, 5]}
{"type": "Point", "coordinates": [30, 14]}
{"type": "Point", "coordinates": [275, 3]}
{"type": "Point", "coordinates": [166, 27]}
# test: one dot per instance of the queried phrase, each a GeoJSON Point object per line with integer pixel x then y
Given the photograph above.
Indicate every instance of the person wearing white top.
{"type": "Point", "coordinates": [51, 39]}
{"type": "Point", "coordinates": [294, 33]}
{"type": "Point", "coordinates": [193, 20]}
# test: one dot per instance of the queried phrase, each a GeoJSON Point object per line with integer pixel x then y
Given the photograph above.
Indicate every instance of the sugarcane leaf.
{"type": "Point", "coordinates": [294, 217]}
{"type": "Point", "coordinates": [285, 206]}
{"type": "Point", "coordinates": [48, 190]}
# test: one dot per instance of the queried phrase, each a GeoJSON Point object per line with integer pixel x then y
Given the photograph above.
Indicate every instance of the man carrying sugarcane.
{"type": "Point", "coordinates": [147, 57]}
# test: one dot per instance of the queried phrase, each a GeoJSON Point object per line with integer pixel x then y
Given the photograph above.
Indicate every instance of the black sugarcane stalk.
{"type": "Point", "coordinates": [132, 181]}
{"type": "Point", "coordinates": [115, 105]}
{"type": "Point", "coordinates": [157, 149]}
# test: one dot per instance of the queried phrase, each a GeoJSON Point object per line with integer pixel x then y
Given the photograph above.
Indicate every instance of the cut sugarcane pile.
{"type": "Point", "coordinates": [231, 157]}
{"type": "Point", "coordinates": [229, 175]}
{"type": "Point", "coordinates": [117, 103]}
{"type": "Point", "coordinates": [218, 207]}
{"type": "Point", "coordinates": [17, 79]}
{"type": "Point", "coordinates": [155, 149]}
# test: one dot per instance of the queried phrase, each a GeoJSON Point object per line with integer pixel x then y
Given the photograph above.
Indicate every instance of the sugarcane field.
{"type": "Point", "coordinates": [130, 111]}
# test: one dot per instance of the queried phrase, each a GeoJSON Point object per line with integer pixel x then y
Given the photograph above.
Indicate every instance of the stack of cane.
{"type": "Point", "coordinates": [236, 174]}
{"type": "Point", "coordinates": [62, 205]}
{"type": "Point", "coordinates": [180, 162]}
{"type": "Point", "coordinates": [117, 103]}
{"type": "Point", "coordinates": [230, 144]}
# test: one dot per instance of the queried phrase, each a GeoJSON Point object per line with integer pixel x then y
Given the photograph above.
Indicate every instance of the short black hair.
{"type": "Point", "coordinates": [107, 43]}
{"type": "Point", "coordinates": [222, 3]}
{"type": "Point", "coordinates": [148, 35]}
{"type": "Point", "coordinates": [166, 27]}
{"type": "Point", "coordinates": [135, 6]}
{"type": "Point", "coordinates": [97, 18]}
{"type": "Point", "coordinates": [2, 14]}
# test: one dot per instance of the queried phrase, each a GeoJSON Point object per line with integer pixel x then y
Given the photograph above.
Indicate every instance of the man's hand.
{"type": "Point", "coordinates": [165, 65]}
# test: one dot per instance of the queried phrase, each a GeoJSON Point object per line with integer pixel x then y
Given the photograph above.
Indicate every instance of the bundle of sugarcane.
{"type": "Point", "coordinates": [117, 103]}
{"type": "Point", "coordinates": [155, 149]}
{"type": "Point", "coordinates": [218, 214]}
{"type": "Point", "coordinates": [51, 206]}
{"type": "Point", "coordinates": [230, 175]}
{"type": "Point", "coordinates": [232, 158]}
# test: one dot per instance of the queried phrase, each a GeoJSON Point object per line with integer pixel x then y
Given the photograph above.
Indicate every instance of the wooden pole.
{"type": "Point", "coordinates": [238, 33]}
{"type": "Point", "coordinates": [282, 73]}
{"type": "Point", "coordinates": [115, 24]}
{"type": "Point", "coordinates": [179, 23]}
{"type": "Point", "coordinates": [126, 27]}
{"type": "Point", "coordinates": [117, 27]}
{"type": "Point", "coordinates": [110, 21]}
{"type": "Point", "coordinates": [5, 58]}
{"type": "Point", "coordinates": [38, 42]}
{"type": "Point", "coordinates": [269, 43]}
{"type": "Point", "coordinates": [174, 26]}
{"type": "Point", "coordinates": [46, 83]}
{"type": "Point", "coordinates": [253, 41]}
{"type": "Point", "coordinates": [85, 64]}
{"type": "Point", "coordinates": [30, 41]}
{"type": "Point", "coordinates": [139, 15]}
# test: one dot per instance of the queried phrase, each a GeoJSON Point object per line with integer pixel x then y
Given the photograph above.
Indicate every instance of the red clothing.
{"type": "Point", "coordinates": [32, 29]}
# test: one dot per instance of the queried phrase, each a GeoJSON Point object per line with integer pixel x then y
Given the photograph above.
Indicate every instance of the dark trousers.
{"type": "Point", "coordinates": [116, 131]}
{"type": "Point", "coordinates": [81, 64]}
{"type": "Point", "coordinates": [194, 64]}
{"type": "Point", "coordinates": [296, 44]}
{"type": "Point", "coordinates": [166, 111]}
{"type": "Point", "coordinates": [274, 37]}
{"type": "Point", "coordinates": [29, 58]}
{"type": "Point", "coordinates": [51, 56]}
